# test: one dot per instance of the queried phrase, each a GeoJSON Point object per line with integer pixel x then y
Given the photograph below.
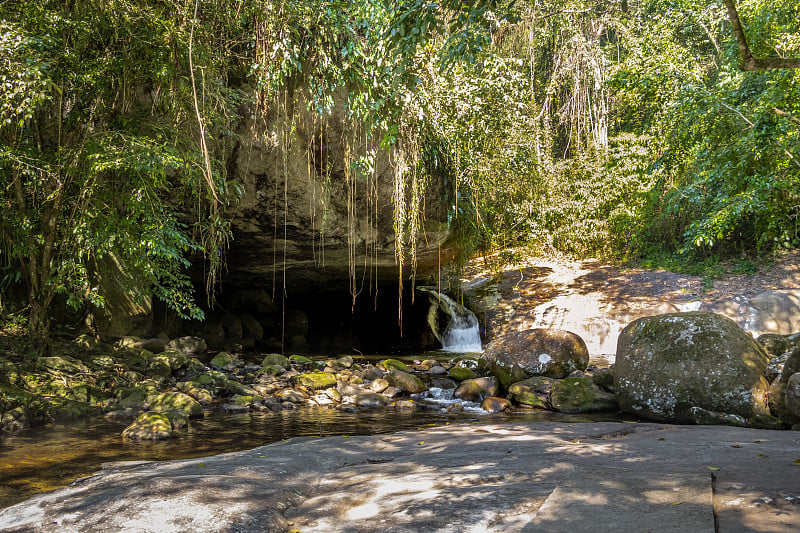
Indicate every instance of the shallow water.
{"type": "Point", "coordinates": [49, 457]}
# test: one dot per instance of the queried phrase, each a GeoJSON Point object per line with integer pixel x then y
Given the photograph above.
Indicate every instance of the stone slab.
{"type": "Point", "coordinates": [467, 477]}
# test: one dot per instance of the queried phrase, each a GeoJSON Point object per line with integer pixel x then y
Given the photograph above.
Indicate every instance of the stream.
{"type": "Point", "coordinates": [52, 456]}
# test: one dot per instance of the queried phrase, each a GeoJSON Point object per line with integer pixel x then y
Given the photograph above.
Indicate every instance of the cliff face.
{"type": "Point", "coordinates": [319, 199]}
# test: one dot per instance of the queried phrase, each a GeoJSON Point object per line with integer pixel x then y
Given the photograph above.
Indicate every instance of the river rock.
{"type": "Point", "coordinates": [276, 359]}
{"type": "Point", "coordinates": [476, 389]}
{"type": "Point", "coordinates": [405, 381]}
{"type": "Point", "coordinates": [667, 364]}
{"type": "Point", "coordinates": [604, 378]}
{"type": "Point", "coordinates": [533, 392]}
{"type": "Point", "coordinates": [177, 401]}
{"type": "Point", "coordinates": [378, 385]}
{"type": "Point", "coordinates": [535, 352]}
{"type": "Point", "coordinates": [370, 400]}
{"type": "Point", "coordinates": [394, 364]}
{"type": "Point", "coordinates": [460, 373]}
{"type": "Point", "coordinates": [65, 364]}
{"type": "Point", "coordinates": [580, 395]}
{"type": "Point", "coordinates": [777, 393]}
{"type": "Point", "coordinates": [154, 425]}
{"type": "Point", "coordinates": [493, 404]}
{"type": "Point", "coordinates": [188, 345]}
{"type": "Point", "coordinates": [315, 380]}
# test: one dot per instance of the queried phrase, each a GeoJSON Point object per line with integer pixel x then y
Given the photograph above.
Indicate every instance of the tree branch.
{"type": "Point", "coordinates": [748, 61]}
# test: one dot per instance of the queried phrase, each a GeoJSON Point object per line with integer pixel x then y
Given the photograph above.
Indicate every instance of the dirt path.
{"type": "Point", "coordinates": [597, 299]}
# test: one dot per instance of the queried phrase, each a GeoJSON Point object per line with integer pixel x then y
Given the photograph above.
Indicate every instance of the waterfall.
{"type": "Point", "coordinates": [462, 333]}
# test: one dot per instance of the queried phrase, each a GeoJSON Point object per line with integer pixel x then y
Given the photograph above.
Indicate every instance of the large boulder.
{"type": "Point", "coordinates": [667, 364]}
{"type": "Point", "coordinates": [779, 394]}
{"type": "Point", "coordinates": [535, 352]}
{"type": "Point", "coordinates": [580, 395]}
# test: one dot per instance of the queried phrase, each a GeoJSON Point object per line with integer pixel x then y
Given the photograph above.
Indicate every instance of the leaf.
{"type": "Point", "coordinates": [420, 443]}
{"type": "Point", "coordinates": [676, 503]}
{"type": "Point", "coordinates": [714, 468]}
{"type": "Point", "coordinates": [796, 462]}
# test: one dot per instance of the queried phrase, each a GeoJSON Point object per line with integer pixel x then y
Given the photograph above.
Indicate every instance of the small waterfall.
{"type": "Point", "coordinates": [462, 333]}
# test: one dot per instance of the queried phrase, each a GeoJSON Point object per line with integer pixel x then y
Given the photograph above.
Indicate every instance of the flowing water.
{"type": "Point", "coordinates": [462, 333]}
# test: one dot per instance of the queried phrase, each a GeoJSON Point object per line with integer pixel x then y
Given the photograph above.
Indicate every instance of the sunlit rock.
{"type": "Point", "coordinates": [535, 352]}
{"type": "Point", "coordinates": [667, 364]}
{"type": "Point", "coordinates": [475, 390]}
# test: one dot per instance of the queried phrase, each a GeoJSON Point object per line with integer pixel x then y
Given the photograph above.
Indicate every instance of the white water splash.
{"type": "Point", "coordinates": [462, 334]}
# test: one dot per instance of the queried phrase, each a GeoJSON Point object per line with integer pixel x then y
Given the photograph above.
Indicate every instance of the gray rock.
{"type": "Point", "coordinates": [533, 392]}
{"type": "Point", "coordinates": [792, 397]}
{"type": "Point", "coordinates": [667, 364]}
{"type": "Point", "coordinates": [405, 381]}
{"type": "Point", "coordinates": [370, 400]}
{"type": "Point", "coordinates": [535, 352]}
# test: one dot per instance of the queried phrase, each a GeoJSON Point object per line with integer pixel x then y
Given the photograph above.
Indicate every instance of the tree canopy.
{"type": "Point", "coordinates": [638, 128]}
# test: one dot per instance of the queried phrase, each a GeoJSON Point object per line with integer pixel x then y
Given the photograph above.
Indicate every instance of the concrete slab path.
{"type": "Point", "coordinates": [475, 477]}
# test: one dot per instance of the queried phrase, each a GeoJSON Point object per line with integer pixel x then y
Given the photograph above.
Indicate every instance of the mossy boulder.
{"type": "Point", "coordinates": [533, 392]}
{"type": "Point", "coordinates": [405, 381]}
{"type": "Point", "coordinates": [459, 373]}
{"type": "Point", "coordinates": [667, 364]}
{"type": "Point", "coordinates": [222, 359]}
{"type": "Point", "coordinates": [188, 345]}
{"type": "Point", "coordinates": [315, 380]}
{"type": "Point", "coordinates": [580, 395]}
{"type": "Point", "coordinates": [475, 390]}
{"type": "Point", "coordinates": [177, 401]}
{"type": "Point", "coordinates": [276, 359]}
{"type": "Point", "coordinates": [535, 352]}
{"type": "Point", "coordinates": [394, 364]}
{"type": "Point", "coordinates": [300, 360]}
{"type": "Point", "coordinates": [273, 370]}
{"type": "Point", "coordinates": [155, 425]}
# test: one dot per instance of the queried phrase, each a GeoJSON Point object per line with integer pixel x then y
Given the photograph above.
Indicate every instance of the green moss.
{"type": "Point", "coordinates": [301, 360]}
{"type": "Point", "coordinates": [580, 395]}
{"type": "Point", "coordinates": [459, 373]}
{"type": "Point", "coordinates": [316, 380]}
{"type": "Point", "coordinates": [177, 401]}
{"type": "Point", "coordinates": [276, 359]}
{"type": "Point", "coordinates": [394, 364]}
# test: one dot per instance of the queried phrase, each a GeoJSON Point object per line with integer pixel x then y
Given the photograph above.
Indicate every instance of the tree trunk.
{"type": "Point", "coordinates": [748, 61]}
{"type": "Point", "coordinates": [39, 326]}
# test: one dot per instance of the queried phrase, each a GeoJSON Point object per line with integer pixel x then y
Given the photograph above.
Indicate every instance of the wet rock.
{"type": "Point", "coordinates": [292, 396]}
{"type": "Point", "coordinates": [394, 364]}
{"type": "Point", "coordinates": [408, 383]}
{"type": "Point", "coordinates": [406, 405]}
{"type": "Point", "coordinates": [133, 398]}
{"type": "Point", "coordinates": [493, 404]}
{"type": "Point", "coordinates": [345, 361]}
{"type": "Point", "coordinates": [152, 425]}
{"type": "Point", "coordinates": [667, 364]}
{"type": "Point", "coordinates": [273, 370]}
{"type": "Point", "coordinates": [460, 373]}
{"type": "Point", "coordinates": [705, 417]}
{"type": "Point", "coordinates": [177, 401]}
{"type": "Point", "coordinates": [234, 408]}
{"type": "Point", "coordinates": [195, 391]}
{"type": "Point", "coordinates": [437, 371]}
{"type": "Point", "coordinates": [379, 385]}
{"type": "Point", "coordinates": [370, 400]}
{"type": "Point", "coordinates": [316, 380]}
{"type": "Point", "coordinates": [476, 389]}
{"type": "Point", "coordinates": [533, 392]}
{"type": "Point", "coordinates": [535, 352]}
{"type": "Point", "coordinates": [455, 408]}
{"type": "Point", "coordinates": [248, 400]}
{"type": "Point", "coordinates": [188, 345]}
{"type": "Point", "coordinates": [392, 392]}
{"type": "Point", "coordinates": [580, 395]}
{"type": "Point", "coordinates": [444, 383]}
